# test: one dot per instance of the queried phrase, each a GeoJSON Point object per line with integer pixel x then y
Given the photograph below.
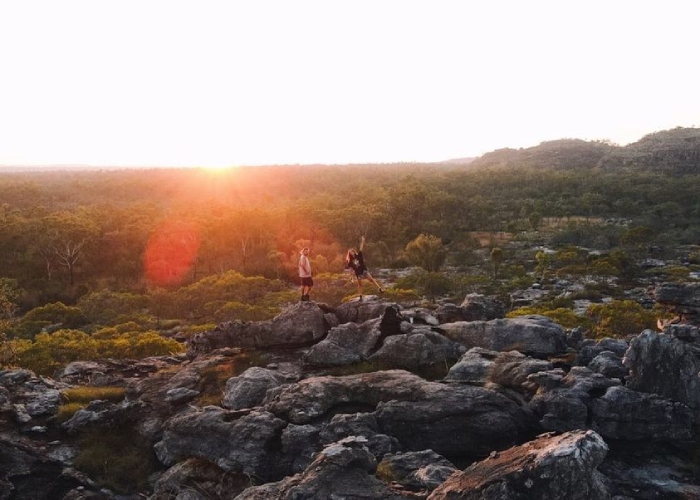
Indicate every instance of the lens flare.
{"type": "Point", "coordinates": [170, 253]}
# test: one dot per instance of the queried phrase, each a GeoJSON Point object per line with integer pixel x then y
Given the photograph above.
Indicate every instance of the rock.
{"type": "Point", "coordinates": [249, 388]}
{"type": "Point", "coordinates": [480, 366]}
{"type": "Point", "coordinates": [345, 344]}
{"type": "Point", "coordinates": [450, 420]}
{"type": "Point", "coordinates": [27, 396]}
{"type": "Point", "coordinates": [663, 365]}
{"type": "Point", "coordinates": [456, 421]}
{"type": "Point", "coordinates": [536, 336]}
{"type": "Point", "coordinates": [300, 324]}
{"type": "Point", "coordinates": [343, 470]}
{"type": "Point", "coordinates": [240, 442]}
{"type": "Point", "coordinates": [199, 479]}
{"type": "Point", "coordinates": [313, 398]}
{"type": "Point", "coordinates": [551, 467]}
{"type": "Point", "coordinates": [180, 395]}
{"type": "Point", "coordinates": [590, 348]}
{"type": "Point", "coordinates": [300, 443]}
{"type": "Point", "coordinates": [609, 364]}
{"type": "Point", "coordinates": [102, 414]}
{"type": "Point", "coordinates": [584, 399]}
{"type": "Point", "coordinates": [681, 298]}
{"type": "Point", "coordinates": [562, 400]}
{"type": "Point", "coordinates": [624, 414]}
{"type": "Point", "coordinates": [643, 471]}
{"type": "Point", "coordinates": [416, 470]}
{"type": "Point", "coordinates": [343, 425]}
{"type": "Point", "coordinates": [359, 311]}
{"type": "Point", "coordinates": [420, 348]}
{"type": "Point", "coordinates": [475, 307]}
{"type": "Point", "coordinates": [27, 473]}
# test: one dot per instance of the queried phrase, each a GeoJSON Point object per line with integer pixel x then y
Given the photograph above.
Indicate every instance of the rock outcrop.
{"type": "Point", "coordinates": [259, 410]}
{"type": "Point", "coordinates": [536, 336]}
{"type": "Point", "coordinates": [550, 467]}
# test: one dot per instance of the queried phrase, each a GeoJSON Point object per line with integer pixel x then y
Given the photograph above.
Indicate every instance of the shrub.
{"type": "Point", "coordinates": [43, 317]}
{"type": "Point", "coordinates": [119, 459]}
{"type": "Point", "coordinates": [85, 394]}
{"type": "Point", "coordinates": [49, 353]}
{"type": "Point", "coordinates": [620, 318]}
{"type": "Point", "coordinates": [562, 316]}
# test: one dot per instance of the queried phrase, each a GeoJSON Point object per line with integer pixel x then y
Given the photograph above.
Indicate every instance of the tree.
{"type": "Point", "coordinates": [496, 258]}
{"type": "Point", "coordinates": [535, 219]}
{"type": "Point", "coordinates": [426, 251]}
{"type": "Point", "coordinates": [65, 236]}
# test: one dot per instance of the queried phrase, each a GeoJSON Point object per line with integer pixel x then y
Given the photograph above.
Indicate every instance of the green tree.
{"type": "Point", "coordinates": [426, 251]}
{"type": "Point", "coordinates": [496, 259]}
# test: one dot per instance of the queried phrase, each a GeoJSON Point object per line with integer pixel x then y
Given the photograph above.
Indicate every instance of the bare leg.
{"type": "Point", "coordinates": [374, 281]}
{"type": "Point", "coordinates": [359, 286]}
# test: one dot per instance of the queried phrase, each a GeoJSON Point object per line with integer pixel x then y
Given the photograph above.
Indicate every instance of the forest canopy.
{"type": "Point", "coordinates": [94, 249]}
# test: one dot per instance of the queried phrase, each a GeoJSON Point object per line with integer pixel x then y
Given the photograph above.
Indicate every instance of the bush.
{"type": "Point", "coordinates": [49, 353]}
{"type": "Point", "coordinates": [119, 459]}
{"type": "Point", "coordinates": [40, 318]}
{"type": "Point", "coordinates": [620, 318]}
{"type": "Point", "coordinates": [562, 316]}
{"type": "Point", "coordinates": [77, 398]}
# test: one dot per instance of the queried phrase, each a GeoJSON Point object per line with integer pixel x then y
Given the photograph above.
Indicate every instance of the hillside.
{"type": "Point", "coordinates": [675, 151]}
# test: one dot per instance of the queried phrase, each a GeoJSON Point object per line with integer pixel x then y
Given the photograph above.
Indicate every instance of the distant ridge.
{"type": "Point", "coordinates": [458, 161]}
{"type": "Point", "coordinates": [674, 151]}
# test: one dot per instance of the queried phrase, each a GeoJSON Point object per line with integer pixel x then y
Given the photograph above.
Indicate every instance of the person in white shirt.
{"type": "Point", "coordinates": [305, 274]}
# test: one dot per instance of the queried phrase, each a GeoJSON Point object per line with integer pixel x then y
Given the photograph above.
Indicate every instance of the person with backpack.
{"type": "Point", "coordinates": [305, 274]}
{"type": "Point", "coordinates": [354, 260]}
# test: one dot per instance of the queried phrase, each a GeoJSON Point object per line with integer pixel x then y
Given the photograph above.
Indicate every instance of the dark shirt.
{"type": "Point", "coordinates": [357, 264]}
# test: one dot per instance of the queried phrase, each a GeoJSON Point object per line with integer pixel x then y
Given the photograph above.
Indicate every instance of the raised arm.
{"type": "Point", "coordinates": [362, 243]}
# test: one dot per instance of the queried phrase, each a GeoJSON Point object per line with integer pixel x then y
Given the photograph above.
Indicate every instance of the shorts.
{"type": "Point", "coordinates": [364, 274]}
{"type": "Point", "coordinates": [307, 282]}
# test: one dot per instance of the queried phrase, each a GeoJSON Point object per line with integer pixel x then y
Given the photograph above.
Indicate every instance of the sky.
{"type": "Point", "coordinates": [255, 82]}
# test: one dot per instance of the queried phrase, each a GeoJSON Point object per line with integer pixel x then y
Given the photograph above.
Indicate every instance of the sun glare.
{"type": "Point", "coordinates": [218, 169]}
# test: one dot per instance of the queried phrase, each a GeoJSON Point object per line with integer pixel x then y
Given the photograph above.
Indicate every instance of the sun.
{"type": "Point", "coordinates": [218, 169]}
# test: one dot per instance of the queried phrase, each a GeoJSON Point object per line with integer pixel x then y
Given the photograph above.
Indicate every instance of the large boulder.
{"type": "Point", "coordinates": [249, 388]}
{"type": "Point", "coordinates": [30, 470]}
{"type": "Point", "coordinates": [624, 414]}
{"type": "Point", "coordinates": [359, 311]}
{"type": "Point", "coordinates": [345, 344]}
{"type": "Point", "coordinates": [583, 399]}
{"type": "Point", "coordinates": [417, 470]}
{"type": "Point", "coordinates": [26, 397]}
{"type": "Point", "coordinates": [591, 348]}
{"type": "Point", "coordinates": [480, 366]}
{"type": "Point", "coordinates": [344, 425]}
{"type": "Point", "coordinates": [240, 442]}
{"type": "Point", "coordinates": [681, 298]}
{"type": "Point", "coordinates": [301, 324]}
{"type": "Point", "coordinates": [533, 335]}
{"type": "Point", "coordinates": [562, 400]}
{"type": "Point", "coordinates": [389, 341]}
{"type": "Point", "coordinates": [198, 479]}
{"type": "Point", "coordinates": [449, 419]}
{"type": "Point", "coordinates": [551, 467]}
{"type": "Point", "coordinates": [343, 470]}
{"type": "Point", "coordinates": [664, 365]}
{"type": "Point", "coordinates": [420, 348]}
{"type": "Point", "coordinates": [475, 307]}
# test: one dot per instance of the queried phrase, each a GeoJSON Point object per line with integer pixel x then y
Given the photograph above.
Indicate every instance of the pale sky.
{"type": "Point", "coordinates": [226, 83]}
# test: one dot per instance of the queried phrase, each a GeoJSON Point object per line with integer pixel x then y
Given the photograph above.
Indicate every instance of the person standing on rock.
{"type": "Point", "coordinates": [354, 260]}
{"type": "Point", "coordinates": [305, 274]}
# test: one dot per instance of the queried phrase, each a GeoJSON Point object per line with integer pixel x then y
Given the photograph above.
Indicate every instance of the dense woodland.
{"type": "Point", "coordinates": [129, 254]}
